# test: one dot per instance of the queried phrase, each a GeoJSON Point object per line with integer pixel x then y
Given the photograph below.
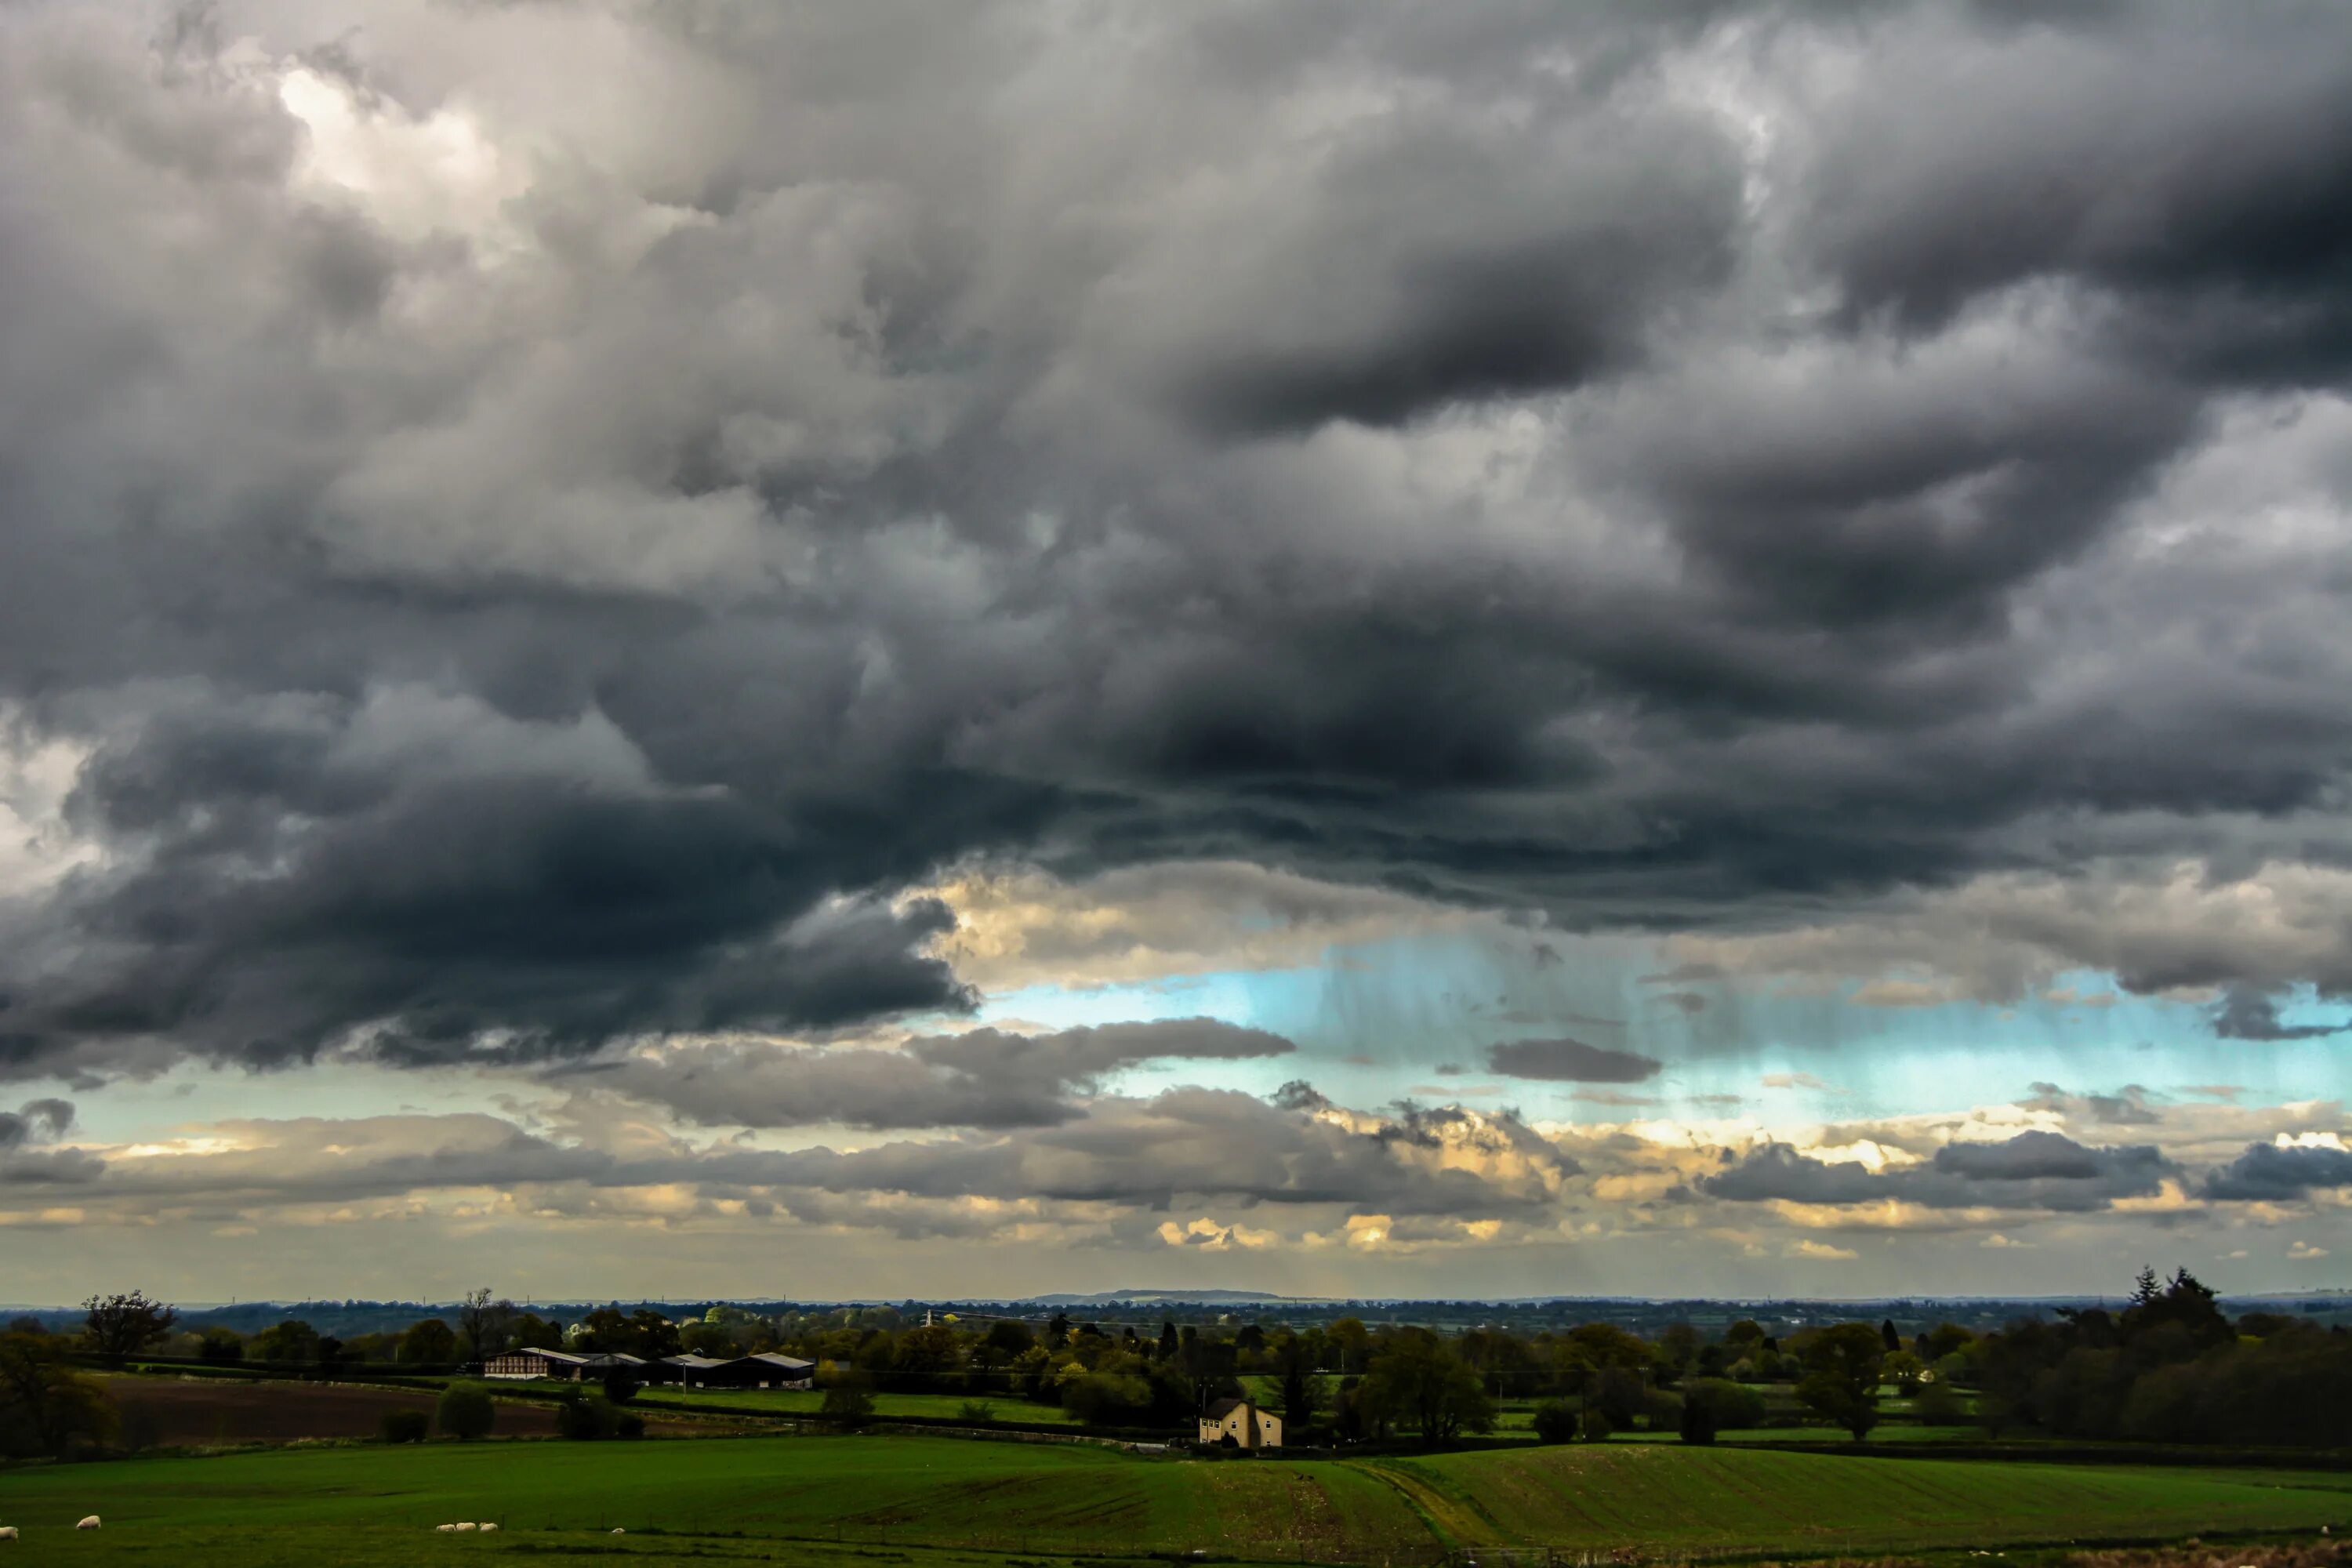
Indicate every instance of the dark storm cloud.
{"type": "Point", "coordinates": [1556, 458]}
{"type": "Point", "coordinates": [2244, 1013]}
{"type": "Point", "coordinates": [2033, 1171]}
{"type": "Point", "coordinates": [25, 1164]}
{"type": "Point", "coordinates": [2267, 1173]}
{"type": "Point", "coordinates": [1568, 1060]}
{"type": "Point", "coordinates": [985, 1077]}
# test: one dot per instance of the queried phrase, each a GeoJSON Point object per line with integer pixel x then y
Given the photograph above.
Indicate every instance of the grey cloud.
{"type": "Point", "coordinates": [2035, 1170]}
{"type": "Point", "coordinates": [2244, 1013]}
{"type": "Point", "coordinates": [36, 1122]}
{"type": "Point", "coordinates": [24, 1163]}
{"type": "Point", "coordinates": [2267, 1173]}
{"type": "Point", "coordinates": [986, 1077]}
{"type": "Point", "coordinates": [1566, 1060]}
{"type": "Point", "coordinates": [1431, 448]}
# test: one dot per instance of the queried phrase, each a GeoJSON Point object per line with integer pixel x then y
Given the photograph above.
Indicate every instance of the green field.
{"type": "Point", "coordinates": [940, 1502]}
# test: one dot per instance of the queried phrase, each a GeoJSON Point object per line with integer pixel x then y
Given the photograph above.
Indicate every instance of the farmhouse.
{"type": "Point", "coordinates": [1241, 1423]}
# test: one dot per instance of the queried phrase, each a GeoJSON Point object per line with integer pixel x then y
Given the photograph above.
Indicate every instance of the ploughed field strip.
{"type": "Point", "coordinates": [935, 1498]}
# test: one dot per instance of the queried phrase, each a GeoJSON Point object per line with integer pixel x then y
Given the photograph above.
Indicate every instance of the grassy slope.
{"type": "Point", "coordinates": [805, 1401]}
{"type": "Point", "coordinates": [951, 1497]}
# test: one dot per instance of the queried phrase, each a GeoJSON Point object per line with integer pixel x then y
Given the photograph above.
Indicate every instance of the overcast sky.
{"type": "Point", "coordinates": [721, 649]}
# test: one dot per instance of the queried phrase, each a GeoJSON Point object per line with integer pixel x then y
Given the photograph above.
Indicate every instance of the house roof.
{"type": "Point", "coordinates": [788, 1364]}
{"type": "Point", "coordinates": [564, 1357]}
{"type": "Point", "coordinates": [1225, 1407]}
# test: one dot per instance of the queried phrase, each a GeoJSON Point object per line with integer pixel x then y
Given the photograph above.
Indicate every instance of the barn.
{"type": "Point", "coordinates": [535, 1363]}
{"type": "Point", "coordinates": [765, 1370]}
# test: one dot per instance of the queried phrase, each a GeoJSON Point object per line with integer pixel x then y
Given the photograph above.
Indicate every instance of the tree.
{"type": "Point", "coordinates": [1297, 1385]}
{"type": "Point", "coordinates": [293, 1342]}
{"type": "Point", "coordinates": [846, 1401]}
{"type": "Point", "coordinates": [483, 1324]}
{"type": "Point", "coordinates": [46, 1406]}
{"type": "Point", "coordinates": [1841, 1381]}
{"type": "Point", "coordinates": [1555, 1422]}
{"type": "Point", "coordinates": [466, 1413]}
{"type": "Point", "coordinates": [431, 1341]}
{"type": "Point", "coordinates": [119, 1327]}
{"type": "Point", "coordinates": [1907, 1373]}
{"type": "Point", "coordinates": [1699, 1422]}
{"type": "Point", "coordinates": [1057, 1331]}
{"type": "Point", "coordinates": [1889, 1338]}
{"type": "Point", "coordinates": [1416, 1380]}
{"type": "Point", "coordinates": [220, 1346]}
{"type": "Point", "coordinates": [1729, 1406]}
{"type": "Point", "coordinates": [620, 1385]}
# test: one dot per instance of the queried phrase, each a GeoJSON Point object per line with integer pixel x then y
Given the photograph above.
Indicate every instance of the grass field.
{"type": "Point", "coordinates": [937, 1502]}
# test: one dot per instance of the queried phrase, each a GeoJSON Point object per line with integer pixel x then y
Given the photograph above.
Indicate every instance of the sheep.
{"type": "Point", "coordinates": [89, 1523]}
{"type": "Point", "coordinates": [488, 1528]}
{"type": "Point", "coordinates": [618, 1531]}
{"type": "Point", "coordinates": [470, 1525]}
{"type": "Point", "coordinates": [8, 1533]}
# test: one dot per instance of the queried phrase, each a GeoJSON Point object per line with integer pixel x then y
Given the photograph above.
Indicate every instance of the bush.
{"type": "Point", "coordinates": [620, 1385]}
{"type": "Point", "coordinates": [1940, 1405]}
{"type": "Point", "coordinates": [407, 1426]}
{"type": "Point", "coordinates": [467, 1412]}
{"type": "Point", "coordinates": [1729, 1407]}
{"type": "Point", "coordinates": [583, 1420]}
{"type": "Point", "coordinates": [630, 1424]}
{"type": "Point", "coordinates": [846, 1402]}
{"type": "Point", "coordinates": [975, 1410]}
{"type": "Point", "coordinates": [1597, 1426]}
{"type": "Point", "coordinates": [1698, 1423]}
{"type": "Point", "coordinates": [1555, 1422]}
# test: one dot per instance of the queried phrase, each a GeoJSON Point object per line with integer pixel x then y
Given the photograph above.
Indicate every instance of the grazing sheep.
{"type": "Point", "coordinates": [89, 1523]}
{"type": "Point", "coordinates": [618, 1531]}
{"type": "Point", "coordinates": [488, 1528]}
{"type": "Point", "coordinates": [8, 1533]}
{"type": "Point", "coordinates": [468, 1526]}
{"type": "Point", "coordinates": [445, 1529]}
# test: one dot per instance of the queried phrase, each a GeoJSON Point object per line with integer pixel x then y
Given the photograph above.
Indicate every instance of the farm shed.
{"type": "Point", "coordinates": [536, 1363]}
{"type": "Point", "coordinates": [1243, 1422]}
{"type": "Point", "coordinates": [766, 1370]}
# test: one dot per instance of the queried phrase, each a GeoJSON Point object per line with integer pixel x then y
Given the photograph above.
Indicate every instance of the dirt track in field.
{"type": "Point", "coordinates": [163, 1412]}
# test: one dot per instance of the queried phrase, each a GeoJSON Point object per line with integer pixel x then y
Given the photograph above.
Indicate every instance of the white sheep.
{"type": "Point", "coordinates": [618, 1531]}
{"type": "Point", "coordinates": [89, 1523]}
{"type": "Point", "coordinates": [469, 1526]}
{"type": "Point", "coordinates": [444, 1528]}
{"type": "Point", "coordinates": [488, 1528]}
{"type": "Point", "coordinates": [8, 1533]}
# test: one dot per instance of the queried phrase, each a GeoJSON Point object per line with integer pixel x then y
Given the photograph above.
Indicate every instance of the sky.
{"type": "Point", "coordinates": [706, 648]}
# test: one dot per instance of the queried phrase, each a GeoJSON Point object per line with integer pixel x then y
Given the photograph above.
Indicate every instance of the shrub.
{"type": "Point", "coordinates": [846, 1402]}
{"type": "Point", "coordinates": [620, 1385]}
{"type": "Point", "coordinates": [976, 1410]}
{"type": "Point", "coordinates": [467, 1412]}
{"type": "Point", "coordinates": [1698, 1424]}
{"type": "Point", "coordinates": [583, 1420]}
{"type": "Point", "coordinates": [630, 1424]}
{"type": "Point", "coordinates": [1597, 1426]}
{"type": "Point", "coordinates": [407, 1426]}
{"type": "Point", "coordinates": [1555, 1422]}
{"type": "Point", "coordinates": [1729, 1405]}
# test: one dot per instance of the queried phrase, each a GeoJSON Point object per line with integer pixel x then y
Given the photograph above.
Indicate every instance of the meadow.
{"type": "Point", "coordinates": [945, 1503]}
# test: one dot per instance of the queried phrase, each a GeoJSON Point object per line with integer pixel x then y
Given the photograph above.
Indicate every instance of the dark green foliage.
{"type": "Point", "coordinates": [466, 1413]}
{"type": "Point", "coordinates": [1597, 1424]}
{"type": "Point", "coordinates": [1729, 1407]}
{"type": "Point", "coordinates": [430, 1342]}
{"type": "Point", "coordinates": [292, 1342]}
{"type": "Point", "coordinates": [1699, 1422]}
{"type": "Point", "coordinates": [1842, 1369]}
{"type": "Point", "coordinates": [583, 1419]}
{"type": "Point", "coordinates": [221, 1347]}
{"type": "Point", "coordinates": [621, 1386]}
{"type": "Point", "coordinates": [407, 1426]}
{"type": "Point", "coordinates": [849, 1399]}
{"type": "Point", "coordinates": [119, 1327]}
{"type": "Point", "coordinates": [1417, 1382]}
{"type": "Point", "coordinates": [46, 1406]}
{"type": "Point", "coordinates": [1555, 1422]}
{"type": "Point", "coordinates": [628, 1424]}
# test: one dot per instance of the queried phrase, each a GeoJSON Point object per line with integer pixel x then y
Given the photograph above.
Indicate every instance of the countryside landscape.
{"type": "Point", "coordinates": [1176, 784]}
{"type": "Point", "coordinates": [979, 1434]}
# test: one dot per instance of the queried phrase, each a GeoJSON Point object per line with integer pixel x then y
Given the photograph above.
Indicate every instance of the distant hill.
{"type": "Point", "coordinates": [1194, 1298]}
